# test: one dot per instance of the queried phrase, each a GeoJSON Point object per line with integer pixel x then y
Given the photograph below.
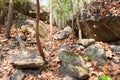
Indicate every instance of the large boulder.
{"type": "Point", "coordinates": [27, 59]}
{"type": "Point", "coordinates": [101, 24]}
{"type": "Point", "coordinates": [28, 24]}
{"type": "Point", "coordinates": [73, 65]}
{"type": "Point", "coordinates": [103, 29]}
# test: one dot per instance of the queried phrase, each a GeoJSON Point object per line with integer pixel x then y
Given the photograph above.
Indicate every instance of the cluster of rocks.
{"type": "Point", "coordinates": [27, 62]}
{"type": "Point", "coordinates": [73, 65]}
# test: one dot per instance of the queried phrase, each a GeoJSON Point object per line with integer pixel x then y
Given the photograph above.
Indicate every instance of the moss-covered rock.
{"type": "Point", "coordinates": [28, 24]}
{"type": "Point", "coordinates": [73, 65]}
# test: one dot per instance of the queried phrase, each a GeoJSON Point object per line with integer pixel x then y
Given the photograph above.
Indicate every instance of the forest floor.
{"type": "Point", "coordinates": [51, 49]}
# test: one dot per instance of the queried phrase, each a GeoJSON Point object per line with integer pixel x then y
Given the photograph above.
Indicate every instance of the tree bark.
{"type": "Point", "coordinates": [61, 20]}
{"type": "Point", "coordinates": [9, 19]}
{"type": "Point", "coordinates": [51, 19]}
{"type": "Point", "coordinates": [37, 32]}
{"type": "Point", "coordinates": [78, 24]}
{"type": "Point", "coordinates": [71, 2]}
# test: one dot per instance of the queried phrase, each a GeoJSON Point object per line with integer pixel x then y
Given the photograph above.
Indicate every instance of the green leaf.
{"type": "Point", "coordinates": [104, 77]}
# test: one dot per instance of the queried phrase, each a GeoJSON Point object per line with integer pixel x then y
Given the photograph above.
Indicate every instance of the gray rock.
{"type": "Point", "coordinates": [87, 42]}
{"type": "Point", "coordinates": [95, 51]}
{"type": "Point", "coordinates": [64, 47]}
{"type": "Point", "coordinates": [72, 65]}
{"type": "Point", "coordinates": [17, 75]}
{"type": "Point", "coordinates": [78, 47]}
{"type": "Point", "coordinates": [115, 49]}
{"type": "Point", "coordinates": [61, 35]}
{"type": "Point", "coordinates": [29, 24]}
{"type": "Point", "coordinates": [68, 29]}
{"type": "Point", "coordinates": [27, 59]}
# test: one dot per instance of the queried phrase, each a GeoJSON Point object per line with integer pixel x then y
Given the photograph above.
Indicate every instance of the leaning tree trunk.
{"type": "Point", "coordinates": [9, 19]}
{"type": "Point", "coordinates": [37, 32]}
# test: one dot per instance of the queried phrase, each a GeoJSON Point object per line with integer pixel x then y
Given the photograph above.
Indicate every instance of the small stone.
{"type": "Point", "coordinates": [87, 42]}
{"type": "Point", "coordinates": [78, 47]}
{"type": "Point", "coordinates": [17, 75]}
{"type": "Point", "coordinates": [115, 49]}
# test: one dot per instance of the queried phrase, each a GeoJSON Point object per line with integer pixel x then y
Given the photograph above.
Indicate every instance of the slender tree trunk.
{"type": "Point", "coordinates": [9, 19]}
{"type": "Point", "coordinates": [51, 19]}
{"type": "Point", "coordinates": [64, 21]}
{"type": "Point", "coordinates": [79, 28]}
{"type": "Point", "coordinates": [37, 32]}
{"type": "Point", "coordinates": [61, 20]}
{"type": "Point", "coordinates": [71, 2]}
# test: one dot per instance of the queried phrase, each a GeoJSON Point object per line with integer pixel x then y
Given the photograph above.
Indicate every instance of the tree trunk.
{"type": "Point", "coordinates": [51, 19]}
{"type": "Point", "coordinates": [9, 19]}
{"type": "Point", "coordinates": [64, 20]}
{"type": "Point", "coordinates": [61, 19]}
{"type": "Point", "coordinates": [71, 2]}
{"type": "Point", "coordinates": [37, 32]}
{"type": "Point", "coordinates": [79, 28]}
